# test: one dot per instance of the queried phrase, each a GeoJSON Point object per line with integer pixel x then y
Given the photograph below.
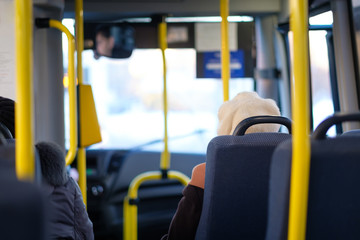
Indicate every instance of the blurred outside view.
{"type": "Point", "coordinates": [321, 95]}
{"type": "Point", "coordinates": [320, 79]}
{"type": "Point", "coordinates": [322, 100]}
{"type": "Point", "coordinates": [128, 96]}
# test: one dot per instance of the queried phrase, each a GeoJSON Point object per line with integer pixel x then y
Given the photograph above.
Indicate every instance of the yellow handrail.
{"type": "Point", "coordinates": [130, 201]}
{"type": "Point", "coordinates": [81, 165]}
{"type": "Point", "coordinates": [24, 118]}
{"type": "Point", "coordinates": [79, 33]}
{"type": "Point", "coordinates": [165, 155]}
{"type": "Point", "coordinates": [301, 127]}
{"type": "Point", "coordinates": [70, 156]}
{"type": "Point", "coordinates": [225, 54]}
{"type": "Point", "coordinates": [79, 24]}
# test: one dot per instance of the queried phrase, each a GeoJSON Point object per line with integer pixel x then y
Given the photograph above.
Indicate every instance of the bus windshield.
{"type": "Point", "coordinates": [128, 97]}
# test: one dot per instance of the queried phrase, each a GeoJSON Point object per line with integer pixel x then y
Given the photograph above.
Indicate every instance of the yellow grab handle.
{"type": "Point", "coordinates": [70, 156]}
{"type": "Point", "coordinates": [130, 204]}
{"type": "Point", "coordinates": [79, 24]}
{"type": "Point", "coordinates": [301, 127]}
{"type": "Point", "coordinates": [165, 155]}
{"type": "Point", "coordinates": [81, 164]}
{"type": "Point", "coordinates": [24, 118]}
{"type": "Point", "coordinates": [225, 52]}
{"type": "Point", "coordinates": [79, 33]}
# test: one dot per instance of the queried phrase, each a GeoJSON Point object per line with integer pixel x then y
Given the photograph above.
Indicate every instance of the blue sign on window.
{"type": "Point", "coordinates": [212, 64]}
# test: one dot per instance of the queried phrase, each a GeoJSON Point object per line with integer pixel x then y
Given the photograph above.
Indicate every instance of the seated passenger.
{"type": "Point", "coordinates": [231, 113]}
{"type": "Point", "coordinates": [68, 216]}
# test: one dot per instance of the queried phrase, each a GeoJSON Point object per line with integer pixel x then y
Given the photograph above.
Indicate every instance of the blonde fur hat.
{"type": "Point", "coordinates": [245, 105]}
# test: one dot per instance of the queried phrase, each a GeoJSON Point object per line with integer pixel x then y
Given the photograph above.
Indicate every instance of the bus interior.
{"type": "Point", "coordinates": [127, 89]}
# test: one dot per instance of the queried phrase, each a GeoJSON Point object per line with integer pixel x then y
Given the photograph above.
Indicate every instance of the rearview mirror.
{"type": "Point", "coordinates": [114, 41]}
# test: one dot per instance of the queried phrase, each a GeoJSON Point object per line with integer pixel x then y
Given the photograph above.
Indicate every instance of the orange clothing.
{"type": "Point", "coordinates": [198, 176]}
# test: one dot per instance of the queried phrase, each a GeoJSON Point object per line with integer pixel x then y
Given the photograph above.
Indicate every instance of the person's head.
{"type": "Point", "coordinates": [7, 114]}
{"type": "Point", "coordinates": [245, 105]}
{"type": "Point", "coordinates": [52, 161]}
{"type": "Point", "coordinates": [105, 43]}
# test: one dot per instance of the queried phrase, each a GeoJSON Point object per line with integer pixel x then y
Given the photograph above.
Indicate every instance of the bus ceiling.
{"type": "Point", "coordinates": [107, 10]}
{"type": "Point", "coordinates": [112, 10]}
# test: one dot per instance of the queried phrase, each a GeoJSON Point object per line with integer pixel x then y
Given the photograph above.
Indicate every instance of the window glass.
{"type": "Point", "coordinates": [322, 101]}
{"type": "Point", "coordinates": [128, 98]}
{"type": "Point", "coordinates": [356, 25]}
{"type": "Point", "coordinates": [325, 18]}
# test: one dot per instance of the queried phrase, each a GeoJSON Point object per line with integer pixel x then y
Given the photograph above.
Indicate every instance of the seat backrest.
{"type": "Point", "coordinates": [22, 205]}
{"type": "Point", "coordinates": [7, 154]}
{"type": "Point", "coordinates": [355, 132]}
{"type": "Point", "coordinates": [4, 131]}
{"type": "Point", "coordinates": [333, 202]}
{"type": "Point", "coordinates": [236, 186]}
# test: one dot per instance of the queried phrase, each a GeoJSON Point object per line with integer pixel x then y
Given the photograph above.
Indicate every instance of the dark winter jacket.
{"type": "Point", "coordinates": [186, 219]}
{"type": "Point", "coordinates": [68, 216]}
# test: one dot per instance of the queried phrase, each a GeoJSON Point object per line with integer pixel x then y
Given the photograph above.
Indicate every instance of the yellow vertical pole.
{"type": "Point", "coordinates": [301, 127]}
{"type": "Point", "coordinates": [25, 160]}
{"type": "Point", "coordinates": [81, 165]}
{"type": "Point", "coordinates": [130, 205]}
{"type": "Point", "coordinates": [130, 201]}
{"type": "Point", "coordinates": [165, 155]}
{"type": "Point", "coordinates": [127, 223]}
{"type": "Point", "coordinates": [225, 54]}
{"type": "Point", "coordinates": [79, 33]}
{"type": "Point", "coordinates": [79, 24]}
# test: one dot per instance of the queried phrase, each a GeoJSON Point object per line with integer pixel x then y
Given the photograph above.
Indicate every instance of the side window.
{"type": "Point", "coordinates": [321, 88]}
{"type": "Point", "coordinates": [321, 95]}
{"type": "Point", "coordinates": [356, 24]}
{"type": "Point", "coordinates": [322, 76]}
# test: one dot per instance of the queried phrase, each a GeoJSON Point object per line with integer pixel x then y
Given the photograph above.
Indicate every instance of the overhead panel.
{"type": "Point", "coordinates": [111, 9]}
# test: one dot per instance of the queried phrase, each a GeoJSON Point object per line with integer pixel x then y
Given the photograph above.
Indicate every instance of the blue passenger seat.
{"type": "Point", "coordinates": [7, 139]}
{"type": "Point", "coordinates": [334, 195]}
{"type": "Point", "coordinates": [236, 182]}
{"type": "Point", "coordinates": [5, 132]}
{"type": "Point", "coordinates": [355, 132]}
{"type": "Point", "coordinates": [22, 212]}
